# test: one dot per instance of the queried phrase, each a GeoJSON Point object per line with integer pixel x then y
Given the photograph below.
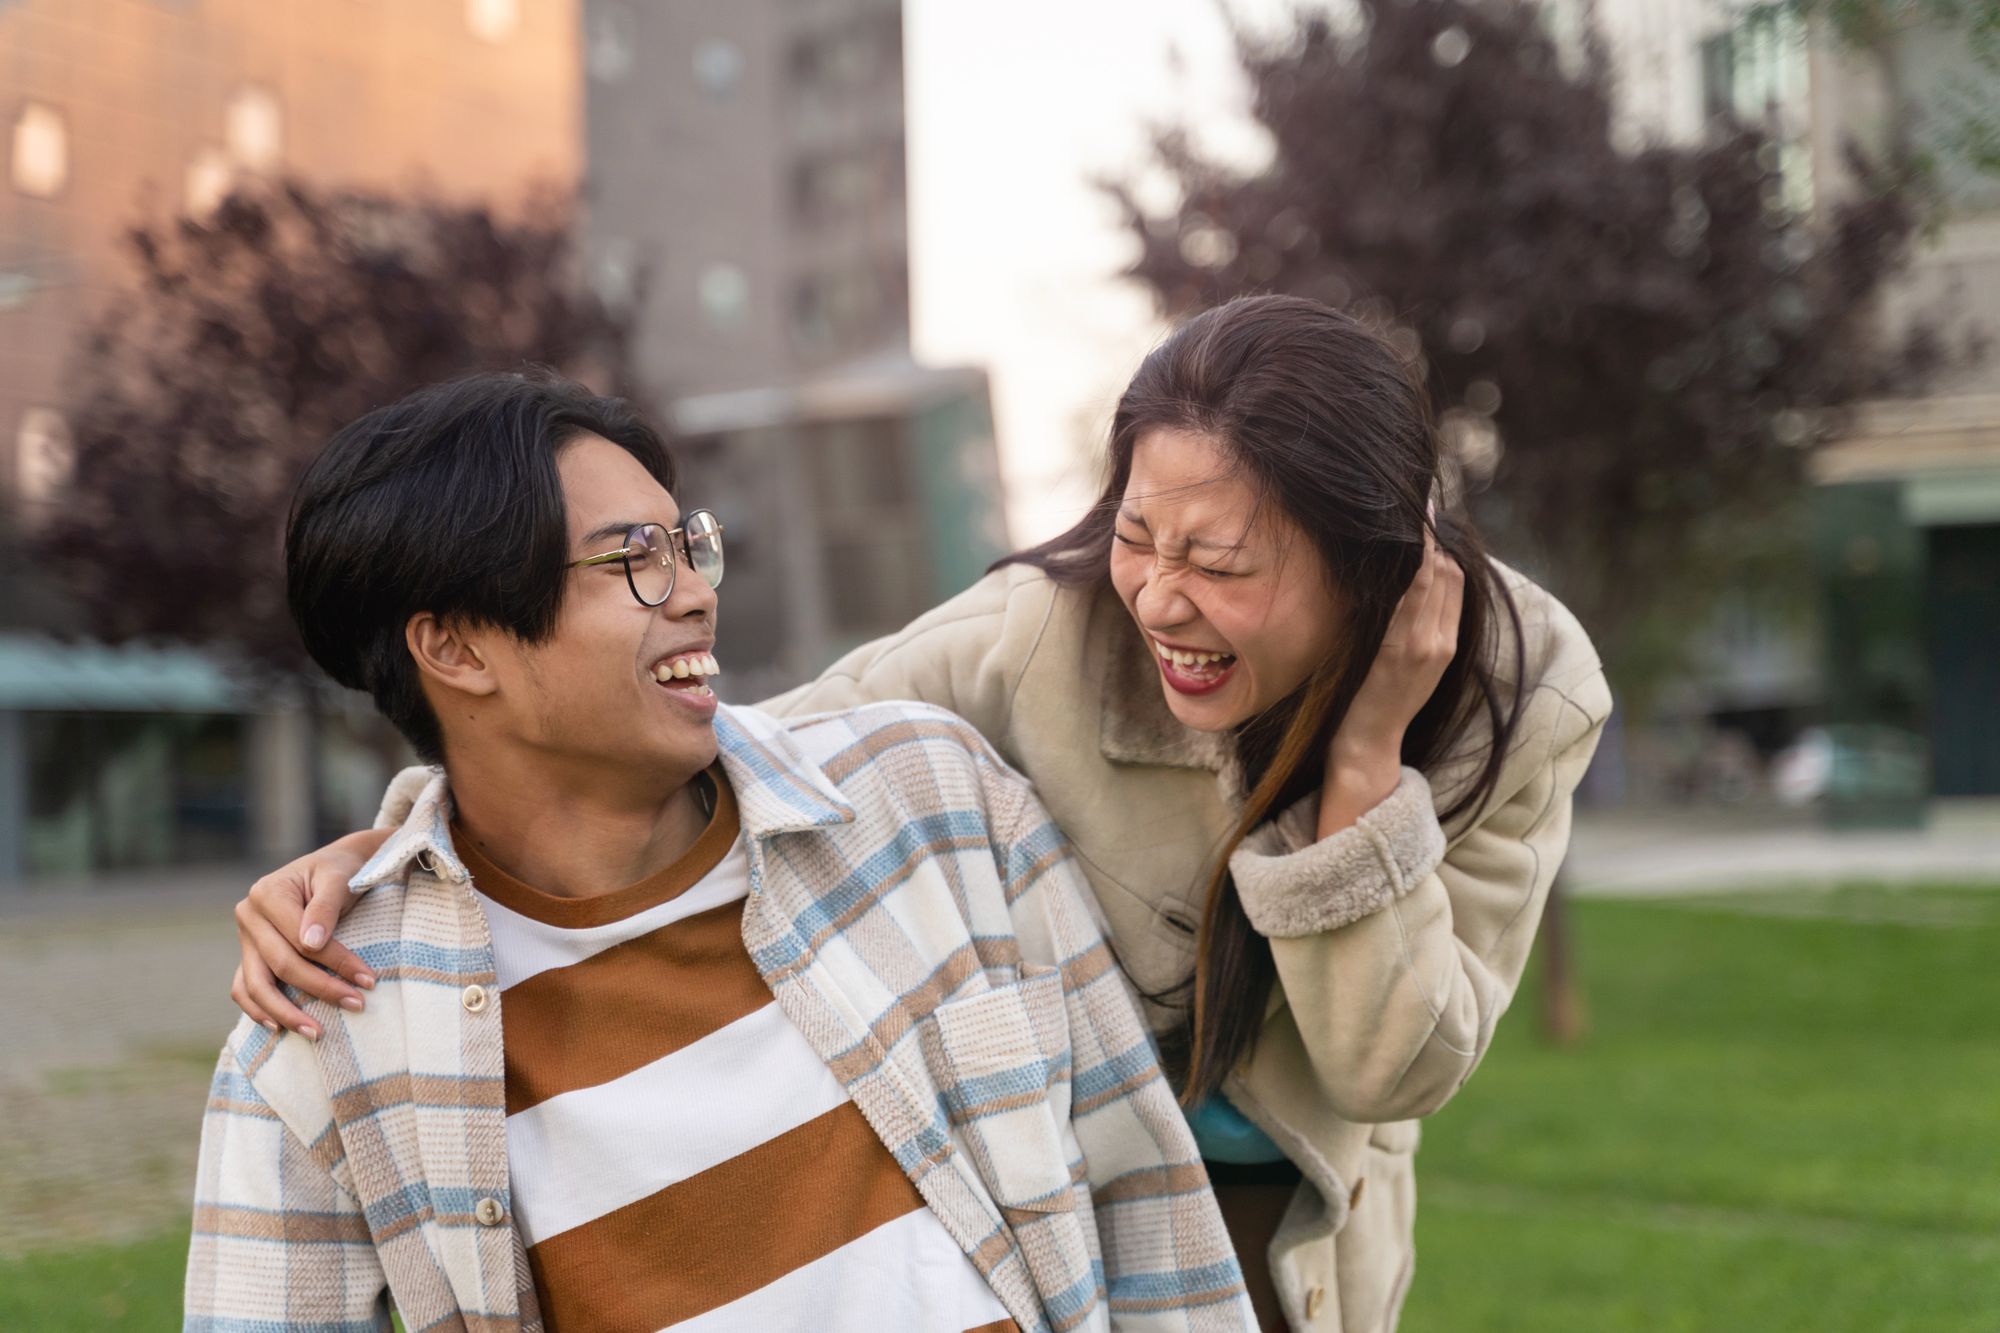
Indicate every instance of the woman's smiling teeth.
{"type": "Point", "coordinates": [693, 667]}
{"type": "Point", "coordinates": [1190, 672]}
{"type": "Point", "coordinates": [1193, 663]}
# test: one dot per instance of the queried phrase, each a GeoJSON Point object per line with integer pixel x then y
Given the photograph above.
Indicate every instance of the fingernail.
{"type": "Point", "coordinates": [364, 980]}
{"type": "Point", "coordinates": [309, 1032]}
{"type": "Point", "coordinates": [269, 1026]}
{"type": "Point", "coordinates": [315, 936]}
{"type": "Point", "coordinates": [351, 1003]}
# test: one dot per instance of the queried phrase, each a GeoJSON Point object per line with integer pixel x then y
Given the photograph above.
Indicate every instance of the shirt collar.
{"type": "Point", "coordinates": [423, 839]}
{"type": "Point", "coordinates": [777, 788]}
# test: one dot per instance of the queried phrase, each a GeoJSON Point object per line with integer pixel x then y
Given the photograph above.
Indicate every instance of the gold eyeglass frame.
{"type": "Point", "coordinates": [677, 542]}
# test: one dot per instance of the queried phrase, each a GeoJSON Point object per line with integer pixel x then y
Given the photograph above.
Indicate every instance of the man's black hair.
{"type": "Point", "coordinates": [449, 502]}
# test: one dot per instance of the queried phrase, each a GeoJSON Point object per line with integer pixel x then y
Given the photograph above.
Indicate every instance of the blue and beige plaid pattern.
{"type": "Point", "coordinates": [919, 919]}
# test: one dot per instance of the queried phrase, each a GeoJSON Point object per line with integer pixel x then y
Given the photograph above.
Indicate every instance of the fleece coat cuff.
{"type": "Point", "coordinates": [1291, 885]}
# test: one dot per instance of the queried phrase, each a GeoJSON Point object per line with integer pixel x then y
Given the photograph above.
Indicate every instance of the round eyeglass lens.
{"type": "Point", "coordinates": [704, 544]}
{"type": "Point", "coordinates": [649, 563]}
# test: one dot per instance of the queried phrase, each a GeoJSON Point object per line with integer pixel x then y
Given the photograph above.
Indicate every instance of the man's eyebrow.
{"type": "Point", "coordinates": [619, 528]}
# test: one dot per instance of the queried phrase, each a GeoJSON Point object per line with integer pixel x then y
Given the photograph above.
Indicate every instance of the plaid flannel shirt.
{"type": "Point", "coordinates": [915, 914]}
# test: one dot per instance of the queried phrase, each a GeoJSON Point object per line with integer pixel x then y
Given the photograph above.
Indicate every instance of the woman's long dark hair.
{"type": "Point", "coordinates": [1331, 424]}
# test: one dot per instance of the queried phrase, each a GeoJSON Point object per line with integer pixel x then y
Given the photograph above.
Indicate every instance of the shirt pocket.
{"type": "Point", "coordinates": [1006, 1073]}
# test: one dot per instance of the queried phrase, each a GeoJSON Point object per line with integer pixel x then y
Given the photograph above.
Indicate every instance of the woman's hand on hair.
{"type": "Point", "coordinates": [1364, 761]}
{"type": "Point", "coordinates": [286, 926]}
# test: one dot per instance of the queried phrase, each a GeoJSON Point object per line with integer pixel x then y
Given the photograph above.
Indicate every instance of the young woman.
{"type": "Point", "coordinates": [1314, 749]}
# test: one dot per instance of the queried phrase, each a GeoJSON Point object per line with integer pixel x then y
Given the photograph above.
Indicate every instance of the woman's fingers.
{"type": "Point", "coordinates": [329, 902]}
{"type": "Point", "coordinates": [1451, 605]}
{"type": "Point", "coordinates": [241, 995]}
{"type": "Point", "coordinates": [290, 966]}
{"type": "Point", "coordinates": [261, 989]}
{"type": "Point", "coordinates": [1413, 611]}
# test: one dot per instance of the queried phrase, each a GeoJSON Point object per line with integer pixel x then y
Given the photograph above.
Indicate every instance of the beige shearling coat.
{"type": "Point", "coordinates": [1398, 942]}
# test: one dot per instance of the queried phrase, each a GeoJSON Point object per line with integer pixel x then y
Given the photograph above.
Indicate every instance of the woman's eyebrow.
{"type": "Point", "coordinates": [1208, 542]}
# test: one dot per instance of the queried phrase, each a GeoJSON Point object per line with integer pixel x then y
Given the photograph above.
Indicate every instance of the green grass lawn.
{"type": "Point", "coordinates": [1783, 1118]}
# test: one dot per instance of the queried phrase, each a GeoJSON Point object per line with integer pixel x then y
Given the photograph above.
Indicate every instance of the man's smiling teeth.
{"type": "Point", "coordinates": [1192, 661]}
{"type": "Point", "coordinates": [681, 668]}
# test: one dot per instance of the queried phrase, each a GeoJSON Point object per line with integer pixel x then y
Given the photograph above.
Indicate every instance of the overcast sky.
{"type": "Point", "coordinates": [1012, 110]}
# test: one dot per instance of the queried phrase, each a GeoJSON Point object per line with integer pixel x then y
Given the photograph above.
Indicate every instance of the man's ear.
{"type": "Point", "coordinates": [445, 653]}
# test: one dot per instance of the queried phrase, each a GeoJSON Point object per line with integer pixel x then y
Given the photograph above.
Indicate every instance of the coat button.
{"type": "Point", "coordinates": [1314, 1299]}
{"type": "Point", "coordinates": [473, 998]}
{"type": "Point", "coordinates": [1354, 1195]}
{"type": "Point", "coordinates": [489, 1212]}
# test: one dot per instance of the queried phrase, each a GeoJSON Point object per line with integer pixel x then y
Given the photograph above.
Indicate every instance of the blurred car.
{"type": "Point", "coordinates": [1851, 762]}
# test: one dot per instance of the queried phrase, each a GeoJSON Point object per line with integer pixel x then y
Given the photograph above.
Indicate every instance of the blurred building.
{"type": "Point", "coordinates": [742, 166]}
{"type": "Point", "coordinates": [121, 108]}
{"type": "Point", "coordinates": [747, 196]}
{"type": "Point", "coordinates": [1900, 667]}
{"type": "Point", "coordinates": [1908, 520]}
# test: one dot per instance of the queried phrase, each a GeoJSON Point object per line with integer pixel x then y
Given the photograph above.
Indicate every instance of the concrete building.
{"type": "Point", "coordinates": [114, 109]}
{"type": "Point", "coordinates": [747, 194]}
{"type": "Point", "coordinates": [1903, 662]}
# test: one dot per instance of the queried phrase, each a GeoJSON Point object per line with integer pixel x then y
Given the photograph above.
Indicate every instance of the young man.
{"type": "Point", "coordinates": [684, 1017]}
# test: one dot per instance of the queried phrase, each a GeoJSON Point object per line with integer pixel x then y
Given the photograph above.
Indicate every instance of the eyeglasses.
{"type": "Point", "coordinates": [649, 552]}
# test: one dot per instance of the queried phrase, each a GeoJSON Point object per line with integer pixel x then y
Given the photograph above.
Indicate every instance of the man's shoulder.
{"type": "Point", "coordinates": [897, 765]}
{"type": "Point", "coordinates": [842, 740]}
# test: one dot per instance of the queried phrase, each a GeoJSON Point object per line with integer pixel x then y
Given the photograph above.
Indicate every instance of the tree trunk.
{"type": "Point", "coordinates": [1563, 1019]}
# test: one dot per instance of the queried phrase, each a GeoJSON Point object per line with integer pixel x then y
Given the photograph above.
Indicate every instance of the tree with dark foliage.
{"type": "Point", "coordinates": [1633, 349]}
{"type": "Point", "coordinates": [249, 337]}
{"type": "Point", "coordinates": [1636, 348]}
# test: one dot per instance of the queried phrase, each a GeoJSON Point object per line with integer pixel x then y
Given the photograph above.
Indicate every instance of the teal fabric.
{"type": "Point", "coordinates": [1225, 1134]}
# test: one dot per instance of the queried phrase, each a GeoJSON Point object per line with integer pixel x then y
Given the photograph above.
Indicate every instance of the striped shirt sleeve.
{"type": "Point", "coordinates": [1167, 1260]}
{"type": "Point", "coordinates": [277, 1245]}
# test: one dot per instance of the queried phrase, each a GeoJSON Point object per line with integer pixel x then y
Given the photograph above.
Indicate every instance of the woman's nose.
{"type": "Point", "coordinates": [1161, 601]}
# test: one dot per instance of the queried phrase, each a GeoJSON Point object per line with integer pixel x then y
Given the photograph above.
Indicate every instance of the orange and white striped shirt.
{"type": "Point", "coordinates": [679, 1156]}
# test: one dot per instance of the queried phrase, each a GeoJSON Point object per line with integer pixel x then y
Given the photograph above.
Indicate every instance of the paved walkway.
{"type": "Point", "coordinates": [1676, 852]}
{"type": "Point", "coordinates": [116, 1001]}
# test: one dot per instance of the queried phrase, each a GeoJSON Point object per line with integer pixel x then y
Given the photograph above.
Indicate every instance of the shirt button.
{"type": "Point", "coordinates": [1354, 1196]}
{"type": "Point", "coordinates": [1314, 1299]}
{"type": "Point", "coordinates": [473, 998]}
{"type": "Point", "coordinates": [489, 1212]}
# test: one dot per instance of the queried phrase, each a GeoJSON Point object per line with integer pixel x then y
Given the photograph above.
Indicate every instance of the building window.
{"type": "Point", "coordinates": [209, 179]}
{"type": "Point", "coordinates": [718, 67]}
{"type": "Point", "coordinates": [41, 151]}
{"type": "Point", "coordinates": [41, 455]}
{"type": "Point", "coordinates": [609, 44]}
{"type": "Point", "coordinates": [725, 295]}
{"type": "Point", "coordinates": [254, 127]}
{"type": "Point", "coordinates": [492, 20]}
{"type": "Point", "coordinates": [842, 311]}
